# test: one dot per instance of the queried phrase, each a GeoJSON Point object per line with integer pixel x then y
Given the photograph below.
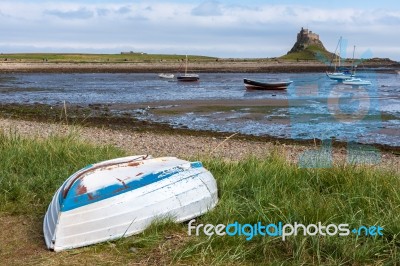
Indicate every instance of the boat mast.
{"type": "Point", "coordinates": [337, 54]}
{"type": "Point", "coordinates": [340, 47]}
{"type": "Point", "coordinates": [353, 69]}
{"type": "Point", "coordinates": [186, 65]}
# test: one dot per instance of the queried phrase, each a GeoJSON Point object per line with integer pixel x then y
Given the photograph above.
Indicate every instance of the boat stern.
{"type": "Point", "coordinates": [51, 220]}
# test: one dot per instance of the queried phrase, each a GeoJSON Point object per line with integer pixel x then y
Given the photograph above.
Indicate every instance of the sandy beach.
{"type": "Point", "coordinates": [225, 66]}
{"type": "Point", "coordinates": [220, 65]}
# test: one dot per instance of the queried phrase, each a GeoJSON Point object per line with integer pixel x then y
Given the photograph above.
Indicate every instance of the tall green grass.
{"type": "Point", "coordinates": [267, 189]}
{"type": "Point", "coordinates": [271, 190]}
{"type": "Point", "coordinates": [31, 170]}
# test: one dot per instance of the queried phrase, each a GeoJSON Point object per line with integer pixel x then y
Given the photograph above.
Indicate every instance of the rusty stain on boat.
{"type": "Point", "coordinates": [122, 181]}
{"type": "Point", "coordinates": [135, 163]}
{"type": "Point", "coordinates": [81, 190]}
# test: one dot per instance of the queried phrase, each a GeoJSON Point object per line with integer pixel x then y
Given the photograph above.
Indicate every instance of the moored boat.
{"type": "Point", "coordinates": [166, 76]}
{"type": "Point", "coordinates": [339, 76]}
{"type": "Point", "coordinates": [356, 82]}
{"type": "Point", "coordinates": [121, 197]}
{"type": "Point", "coordinates": [187, 77]}
{"type": "Point", "coordinates": [338, 73]}
{"type": "Point", "coordinates": [266, 85]}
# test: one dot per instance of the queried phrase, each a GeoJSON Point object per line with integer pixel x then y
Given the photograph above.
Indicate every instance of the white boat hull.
{"type": "Point", "coordinates": [188, 192]}
{"type": "Point", "coordinates": [356, 82]}
{"type": "Point", "coordinates": [166, 76]}
{"type": "Point", "coordinates": [339, 76]}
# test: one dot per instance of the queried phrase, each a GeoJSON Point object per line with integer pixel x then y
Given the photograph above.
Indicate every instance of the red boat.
{"type": "Point", "coordinates": [271, 85]}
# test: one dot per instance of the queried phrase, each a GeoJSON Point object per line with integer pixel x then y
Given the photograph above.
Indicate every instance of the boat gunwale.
{"type": "Point", "coordinates": [95, 167]}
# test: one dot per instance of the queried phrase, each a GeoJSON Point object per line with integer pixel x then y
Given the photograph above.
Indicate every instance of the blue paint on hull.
{"type": "Point", "coordinates": [75, 200]}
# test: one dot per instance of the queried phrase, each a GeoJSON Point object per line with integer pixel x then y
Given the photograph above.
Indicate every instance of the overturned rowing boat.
{"type": "Point", "coordinates": [121, 197]}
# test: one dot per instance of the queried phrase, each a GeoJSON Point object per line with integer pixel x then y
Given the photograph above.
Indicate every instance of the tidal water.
{"type": "Point", "coordinates": [316, 106]}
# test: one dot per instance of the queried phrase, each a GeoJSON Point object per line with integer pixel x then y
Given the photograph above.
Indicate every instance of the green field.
{"type": "Point", "coordinates": [93, 58]}
{"type": "Point", "coordinates": [254, 189]}
{"type": "Point", "coordinates": [312, 52]}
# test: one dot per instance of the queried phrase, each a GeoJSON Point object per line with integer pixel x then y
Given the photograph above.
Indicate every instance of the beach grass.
{"type": "Point", "coordinates": [31, 170]}
{"type": "Point", "coordinates": [269, 190]}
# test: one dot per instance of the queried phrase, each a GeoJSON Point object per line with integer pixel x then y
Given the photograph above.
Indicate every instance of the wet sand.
{"type": "Point", "coordinates": [186, 104]}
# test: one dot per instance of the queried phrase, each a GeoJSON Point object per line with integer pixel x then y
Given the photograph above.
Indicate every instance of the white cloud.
{"type": "Point", "coordinates": [103, 12]}
{"type": "Point", "coordinates": [207, 8]}
{"type": "Point", "coordinates": [124, 10]}
{"type": "Point", "coordinates": [210, 27]}
{"type": "Point", "coordinates": [81, 13]}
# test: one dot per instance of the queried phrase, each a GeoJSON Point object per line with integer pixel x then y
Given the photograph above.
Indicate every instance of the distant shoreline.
{"type": "Point", "coordinates": [226, 65]}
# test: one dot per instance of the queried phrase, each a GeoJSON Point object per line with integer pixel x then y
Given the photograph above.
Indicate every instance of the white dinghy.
{"type": "Point", "coordinates": [121, 197]}
{"type": "Point", "coordinates": [166, 76]}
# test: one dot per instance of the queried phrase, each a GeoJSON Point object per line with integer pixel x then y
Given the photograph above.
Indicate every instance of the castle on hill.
{"type": "Point", "coordinates": [307, 35]}
{"type": "Point", "coordinates": [306, 38]}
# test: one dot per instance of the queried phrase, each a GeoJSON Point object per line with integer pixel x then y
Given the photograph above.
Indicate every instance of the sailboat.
{"type": "Point", "coordinates": [339, 75]}
{"type": "Point", "coordinates": [353, 80]}
{"type": "Point", "coordinates": [187, 77]}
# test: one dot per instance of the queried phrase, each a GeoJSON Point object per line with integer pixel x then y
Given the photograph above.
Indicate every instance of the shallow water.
{"type": "Point", "coordinates": [317, 107]}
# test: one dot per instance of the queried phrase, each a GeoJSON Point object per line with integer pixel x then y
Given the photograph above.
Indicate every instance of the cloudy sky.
{"type": "Point", "coordinates": [217, 28]}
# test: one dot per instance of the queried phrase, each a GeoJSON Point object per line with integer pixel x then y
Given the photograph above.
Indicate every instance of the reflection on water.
{"type": "Point", "coordinates": [317, 107]}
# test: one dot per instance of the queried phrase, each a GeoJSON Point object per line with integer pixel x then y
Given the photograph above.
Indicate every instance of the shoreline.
{"type": "Point", "coordinates": [101, 115]}
{"type": "Point", "coordinates": [222, 66]}
{"type": "Point", "coordinates": [232, 147]}
{"type": "Point", "coordinates": [144, 137]}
